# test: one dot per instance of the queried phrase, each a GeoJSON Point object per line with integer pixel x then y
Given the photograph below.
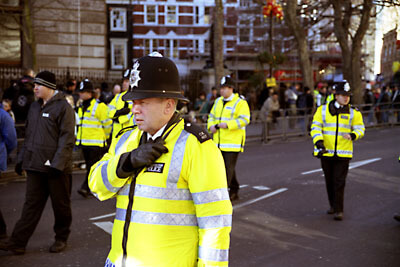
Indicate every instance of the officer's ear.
{"type": "Point", "coordinates": [170, 106]}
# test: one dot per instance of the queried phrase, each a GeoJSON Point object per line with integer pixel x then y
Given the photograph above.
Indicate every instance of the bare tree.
{"type": "Point", "coordinates": [351, 23]}
{"type": "Point", "coordinates": [26, 26]}
{"type": "Point", "coordinates": [217, 41]}
{"type": "Point", "coordinates": [300, 33]}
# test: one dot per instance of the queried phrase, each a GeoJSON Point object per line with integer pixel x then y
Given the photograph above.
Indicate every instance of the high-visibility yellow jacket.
{"type": "Point", "coordinates": [181, 213]}
{"type": "Point", "coordinates": [124, 120]}
{"type": "Point", "coordinates": [236, 114]}
{"type": "Point", "coordinates": [331, 129]}
{"type": "Point", "coordinates": [94, 127]}
{"type": "Point", "coordinates": [330, 98]}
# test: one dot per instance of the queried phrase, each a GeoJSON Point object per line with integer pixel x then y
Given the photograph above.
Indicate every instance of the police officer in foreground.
{"type": "Point", "coordinates": [173, 207]}
{"type": "Point", "coordinates": [94, 128]}
{"type": "Point", "coordinates": [227, 120]}
{"type": "Point", "coordinates": [334, 128]}
{"type": "Point", "coordinates": [120, 111]}
{"type": "Point", "coordinates": [47, 158]}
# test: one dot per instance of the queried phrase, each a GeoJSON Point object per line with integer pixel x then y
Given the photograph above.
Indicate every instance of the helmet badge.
{"type": "Point", "coordinates": [134, 78]}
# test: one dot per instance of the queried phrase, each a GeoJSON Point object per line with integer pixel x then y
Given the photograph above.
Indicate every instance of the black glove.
{"type": "Point", "coordinates": [18, 168]}
{"type": "Point", "coordinates": [55, 173]}
{"type": "Point", "coordinates": [120, 112]}
{"type": "Point", "coordinates": [144, 155]}
{"type": "Point", "coordinates": [321, 148]}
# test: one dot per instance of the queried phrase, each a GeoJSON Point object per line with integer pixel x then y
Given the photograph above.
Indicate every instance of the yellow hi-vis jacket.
{"type": "Point", "coordinates": [123, 120]}
{"type": "Point", "coordinates": [94, 127]}
{"type": "Point", "coordinates": [331, 129]}
{"type": "Point", "coordinates": [236, 114]}
{"type": "Point", "coordinates": [181, 213]}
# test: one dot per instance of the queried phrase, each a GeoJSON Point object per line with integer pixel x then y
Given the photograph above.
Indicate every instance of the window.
{"type": "Point", "coordinates": [207, 15]}
{"type": "Point", "coordinates": [196, 15]}
{"type": "Point", "coordinates": [151, 14]}
{"type": "Point", "coordinates": [146, 47]}
{"type": "Point", "coordinates": [168, 48]}
{"type": "Point", "coordinates": [150, 45]}
{"type": "Point", "coordinates": [118, 53]}
{"type": "Point", "coordinates": [196, 46]}
{"type": "Point", "coordinates": [118, 19]}
{"type": "Point", "coordinates": [171, 14]}
{"type": "Point", "coordinates": [175, 52]}
{"type": "Point", "coordinates": [244, 31]}
{"type": "Point", "coordinates": [10, 39]}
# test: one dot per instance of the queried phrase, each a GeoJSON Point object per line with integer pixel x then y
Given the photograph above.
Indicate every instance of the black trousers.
{"type": "Point", "coordinates": [335, 172]}
{"type": "Point", "coordinates": [3, 226]}
{"type": "Point", "coordinates": [39, 186]}
{"type": "Point", "coordinates": [91, 154]}
{"type": "Point", "coordinates": [230, 159]}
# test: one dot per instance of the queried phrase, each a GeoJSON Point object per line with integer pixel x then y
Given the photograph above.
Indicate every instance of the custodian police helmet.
{"type": "Point", "coordinates": [154, 76]}
{"type": "Point", "coordinates": [227, 81]}
{"type": "Point", "coordinates": [85, 86]}
{"type": "Point", "coordinates": [343, 88]}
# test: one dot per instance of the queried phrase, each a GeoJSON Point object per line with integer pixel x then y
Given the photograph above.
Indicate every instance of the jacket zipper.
{"type": "Point", "coordinates": [337, 131]}
{"type": "Point", "coordinates": [220, 115]}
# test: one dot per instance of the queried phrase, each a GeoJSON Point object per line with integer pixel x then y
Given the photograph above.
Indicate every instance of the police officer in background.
{"type": "Point", "coordinates": [47, 158]}
{"type": "Point", "coordinates": [227, 120]}
{"type": "Point", "coordinates": [173, 206]}
{"type": "Point", "coordinates": [94, 128]}
{"type": "Point", "coordinates": [120, 111]}
{"type": "Point", "coordinates": [334, 128]}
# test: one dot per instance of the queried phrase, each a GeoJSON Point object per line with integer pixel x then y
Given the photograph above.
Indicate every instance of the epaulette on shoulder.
{"type": "Point", "coordinates": [242, 97]}
{"type": "Point", "coordinates": [353, 107]}
{"type": "Point", "coordinates": [201, 134]}
{"type": "Point", "coordinates": [124, 130]}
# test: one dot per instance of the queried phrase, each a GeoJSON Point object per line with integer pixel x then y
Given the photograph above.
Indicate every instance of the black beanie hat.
{"type": "Point", "coordinates": [46, 78]}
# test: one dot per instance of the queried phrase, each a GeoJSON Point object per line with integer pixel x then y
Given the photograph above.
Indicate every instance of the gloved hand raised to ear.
{"type": "Point", "coordinates": [143, 156]}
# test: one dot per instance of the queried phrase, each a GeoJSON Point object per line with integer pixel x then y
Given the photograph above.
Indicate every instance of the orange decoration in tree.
{"type": "Point", "coordinates": [272, 9]}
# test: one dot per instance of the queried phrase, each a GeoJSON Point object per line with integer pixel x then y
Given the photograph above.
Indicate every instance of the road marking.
{"type": "Point", "coordinates": [106, 226]}
{"type": "Point", "coordinates": [261, 188]}
{"type": "Point", "coordinates": [352, 165]}
{"type": "Point", "coordinates": [278, 191]}
{"type": "Point", "coordinates": [243, 186]}
{"type": "Point", "coordinates": [102, 216]}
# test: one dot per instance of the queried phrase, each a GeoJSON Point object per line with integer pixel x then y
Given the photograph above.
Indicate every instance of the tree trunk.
{"type": "Point", "coordinates": [217, 41]}
{"type": "Point", "coordinates": [351, 45]}
{"type": "Point", "coordinates": [300, 35]}
{"type": "Point", "coordinates": [29, 52]}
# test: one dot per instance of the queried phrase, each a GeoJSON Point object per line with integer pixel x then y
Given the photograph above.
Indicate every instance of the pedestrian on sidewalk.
{"type": "Point", "coordinates": [46, 156]}
{"type": "Point", "coordinates": [173, 207]}
{"type": "Point", "coordinates": [334, 128]}
{"type": "Point", "coordinates": [8, 142]}
{"type": "Point", "coordinates": [227, 122]}
{"type": "Point", "coordinates": [94, 129]}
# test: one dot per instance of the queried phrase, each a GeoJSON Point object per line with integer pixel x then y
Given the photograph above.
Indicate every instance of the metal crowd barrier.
{"type": "Point", "coordinates": [259, 130]}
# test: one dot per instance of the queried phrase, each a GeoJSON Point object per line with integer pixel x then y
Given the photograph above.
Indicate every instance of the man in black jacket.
{"type": "Point", "coordinates": [47, 158]}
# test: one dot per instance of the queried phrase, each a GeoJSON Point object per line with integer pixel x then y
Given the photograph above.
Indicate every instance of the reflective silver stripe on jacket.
{"type": "Point", "coordinates": [121, 141]}
{"type": "Point", "coordinates": [94, 108]}
{"type": "Point", "coordinates": [212, 254]}
{"type": "Point", "coordinates": [210, 196]}
{"type": "Point", "coordinates": [323, 113]}
{"type": "Point", "coordinates": [154, 192]}
{"type": "Point", "coordinates": [106, 182]}
{"type": "Point", "coordinates": [109, 263]}
{"type": "Point", "coordinates": [158, 218]}
{"type": "Point", "coordinates": [90, 141]}
{"type": "Point", "coordinates": [230, 145]}
{"type": "Point", "coordinates": [215, 221]}
{"type": "Point", "coordinates": [176, 160]}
